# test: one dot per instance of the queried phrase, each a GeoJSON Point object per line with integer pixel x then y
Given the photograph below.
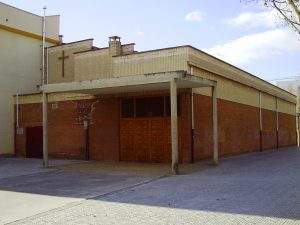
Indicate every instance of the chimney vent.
{"type": "Point", "coordinates": [60, 39]}
{"type": "Point", "coordinates": [115, 46]}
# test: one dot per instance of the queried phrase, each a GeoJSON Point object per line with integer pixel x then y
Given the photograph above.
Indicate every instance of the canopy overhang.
{"type": "Point", "coordinates": [171, 81]}
{"type": "Point", "coordinates": [134, 83]}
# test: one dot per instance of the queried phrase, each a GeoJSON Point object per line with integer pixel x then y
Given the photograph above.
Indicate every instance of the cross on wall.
{"type": "Point", "coordinates": [63, 57]}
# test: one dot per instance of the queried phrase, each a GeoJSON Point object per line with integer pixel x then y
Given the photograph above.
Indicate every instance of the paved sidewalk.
{"type": "Point", "coordinates": [27, 189]}
{"type": "Point", "coordinates": [260, 188]}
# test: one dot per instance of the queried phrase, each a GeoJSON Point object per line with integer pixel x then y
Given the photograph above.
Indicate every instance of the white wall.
{"type": "Point", "coordinates": [25, 21]}
{"type": "Point", "coordinates": [20, 63]}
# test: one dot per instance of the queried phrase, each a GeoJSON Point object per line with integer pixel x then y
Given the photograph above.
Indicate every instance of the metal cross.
{"type": "Point", "coordinates": [63, 57]}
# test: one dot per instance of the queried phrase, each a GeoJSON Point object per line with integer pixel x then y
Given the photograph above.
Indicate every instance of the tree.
{"type": "Point", "coordinates": [84, 113]}
{"type": "Point", "coordinates": [289, 11]}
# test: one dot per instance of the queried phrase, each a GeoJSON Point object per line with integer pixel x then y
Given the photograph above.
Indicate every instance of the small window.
{"type": "Point", "coordinates": [127, 110]}
{"type": "Point", "coordinates": [150, 107]}
{"type": "Point", "coordinates": [168, 105]}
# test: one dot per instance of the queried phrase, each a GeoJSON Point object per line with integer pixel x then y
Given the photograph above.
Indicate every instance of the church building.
{"type": "Point", "coordinates": [176, 104]}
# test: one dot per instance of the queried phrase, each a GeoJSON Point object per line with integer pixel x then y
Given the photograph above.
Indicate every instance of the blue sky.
{"type": "Point", "coordinates": [246, 35]}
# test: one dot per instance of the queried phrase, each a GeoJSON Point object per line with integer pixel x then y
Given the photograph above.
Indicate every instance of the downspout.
{"type": "Point", "coordinates": [260, 122]}
{"type": "Point", "coordinates": [17, 123]}
{"type": "Point", "coordinates": [192, 121]}
{"type": "Point", "coordinates": [297, 118]}
{"type": "Point", "coordinates": [277, 124]}
{"type": "Point", "coordinates": [17, 111]}
{"type": "Point", "coordinates": [86, 125]}
{"type": "Point", "coordinates": [297, 121]}
{"type": "Point", "coordinates": [47, 66]}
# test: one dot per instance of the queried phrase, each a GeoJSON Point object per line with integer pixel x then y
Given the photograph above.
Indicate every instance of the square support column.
{"type": "Point", "coordinates": [215, 125]}
{"type": "Point", "coordinates": [45, 129]}
{"type": "Point", "coordinates": [174, 125]}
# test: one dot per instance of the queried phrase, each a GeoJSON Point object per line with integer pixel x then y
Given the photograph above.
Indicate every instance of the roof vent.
{"type": "Point", "coordinates": [115, 46]}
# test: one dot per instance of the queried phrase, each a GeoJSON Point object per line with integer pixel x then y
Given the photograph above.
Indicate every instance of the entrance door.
{"type": "Point", "coordinates": [34, 142]}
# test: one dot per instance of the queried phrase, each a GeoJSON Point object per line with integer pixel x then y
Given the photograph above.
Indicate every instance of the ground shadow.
{"type": "Point", "coordinates": [263, 184]}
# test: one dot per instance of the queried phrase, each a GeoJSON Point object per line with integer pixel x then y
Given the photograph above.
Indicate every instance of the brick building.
{"type": "Point", "coordinates": [113, 104]}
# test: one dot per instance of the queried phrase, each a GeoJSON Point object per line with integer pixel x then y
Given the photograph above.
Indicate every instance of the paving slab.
{"type": "Point", "coordinates": [260, 188]}
{"type": "Point", "coordinates": [27, 189]}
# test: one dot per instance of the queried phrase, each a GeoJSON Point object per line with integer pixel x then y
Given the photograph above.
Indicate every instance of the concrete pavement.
{"type": "Point", "coordinates": [260, 188]}
{"type": "Point", "coordinates": [27, 189]}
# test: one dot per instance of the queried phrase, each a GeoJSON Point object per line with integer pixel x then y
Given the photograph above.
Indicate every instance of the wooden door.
{"type": "Point", "coordinates": [34, 142]}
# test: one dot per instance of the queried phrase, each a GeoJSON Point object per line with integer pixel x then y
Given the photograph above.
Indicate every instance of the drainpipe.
{"type": "Point", "coordinates": [17, 111]}
{"type": "Point", "coordinates": [277, 124]}
{"type": "Point", "coordinates": [297, 123]}
{"type": "Point", "coordinates": [86, 125]}
{"type": "Point", "coordinates": [47, 63]}
{"type": "Point", "coordinates": [298, 119]}
{"type": "Point", "coordinates": [260, 122]}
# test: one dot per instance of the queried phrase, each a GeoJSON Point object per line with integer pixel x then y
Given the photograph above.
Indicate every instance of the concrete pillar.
{"type": "Point", "coordinates": [45, 130]}
{"type": "Point", "coordinates": [192, 120]}
{"type": "Point", "coordinates": [174, 125]}
{"type": "Point", "coordinates": [215, 126]}
{"type": "Point", "coordinates": [193, 127]}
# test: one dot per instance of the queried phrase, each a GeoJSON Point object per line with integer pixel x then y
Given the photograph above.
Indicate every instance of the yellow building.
{"type": "Point", "coordinates": [20, 62]}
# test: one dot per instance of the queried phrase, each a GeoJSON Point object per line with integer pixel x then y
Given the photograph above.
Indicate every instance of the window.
{"type": "Point", "coordinates": [149, 107]}
{"type": "Point", "coordinates": [127, 110]}
{"type": "Point", "coordinates": [168, 106]}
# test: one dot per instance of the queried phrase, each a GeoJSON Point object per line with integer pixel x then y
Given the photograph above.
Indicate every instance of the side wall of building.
{"type": "Point", "coordinates": [20, 62]}
{"type": "Point", "coordinates": [68, 138]}
{"type": "Point", "coordinates": [67, 135]}
{"type": "Point", "coordinates": [239, 119]}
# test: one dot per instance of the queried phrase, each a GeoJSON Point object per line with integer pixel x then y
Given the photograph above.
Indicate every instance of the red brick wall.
{"type": "Point", "coordinates": [239, 129]}
{"type": "Point", "coordinates": [148, 139]}
{"type": "Point", "coordinates": [269, 132]}
{"type": "Point", "coordinates": [145, 139]}
{"type": "Point", "coordinates": [104, 132]}
{"type": "Point", "coordinates": [287, 130]}
{"type": "Point", "coordinates": [184, 128]}
{"type": "Point", "coordinates": [67, 138]}
{"type": "Point", "coordinates": [203, 127]}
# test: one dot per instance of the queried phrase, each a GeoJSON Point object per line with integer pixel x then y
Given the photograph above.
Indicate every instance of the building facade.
{"type": "Point", "coordinates": [20, 62]}
{"type": "Point", "coordinates": [107, 104]}
{"type": "Point", "coordinates": [292, 86]}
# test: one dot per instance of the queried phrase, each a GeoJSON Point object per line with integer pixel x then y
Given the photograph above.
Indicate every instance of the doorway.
{"type": "Point", "coordinates": [34, 142]}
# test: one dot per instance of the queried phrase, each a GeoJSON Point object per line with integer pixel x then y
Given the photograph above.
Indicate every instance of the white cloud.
{"type": "Point", "coordinates": [195, 16]}
{"type": "Point", "coordinates": [140, 33]}
{"type": "Point", "coordinates": [257, 46]}
{"type": "Point", "coordinates": [269, 19]}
